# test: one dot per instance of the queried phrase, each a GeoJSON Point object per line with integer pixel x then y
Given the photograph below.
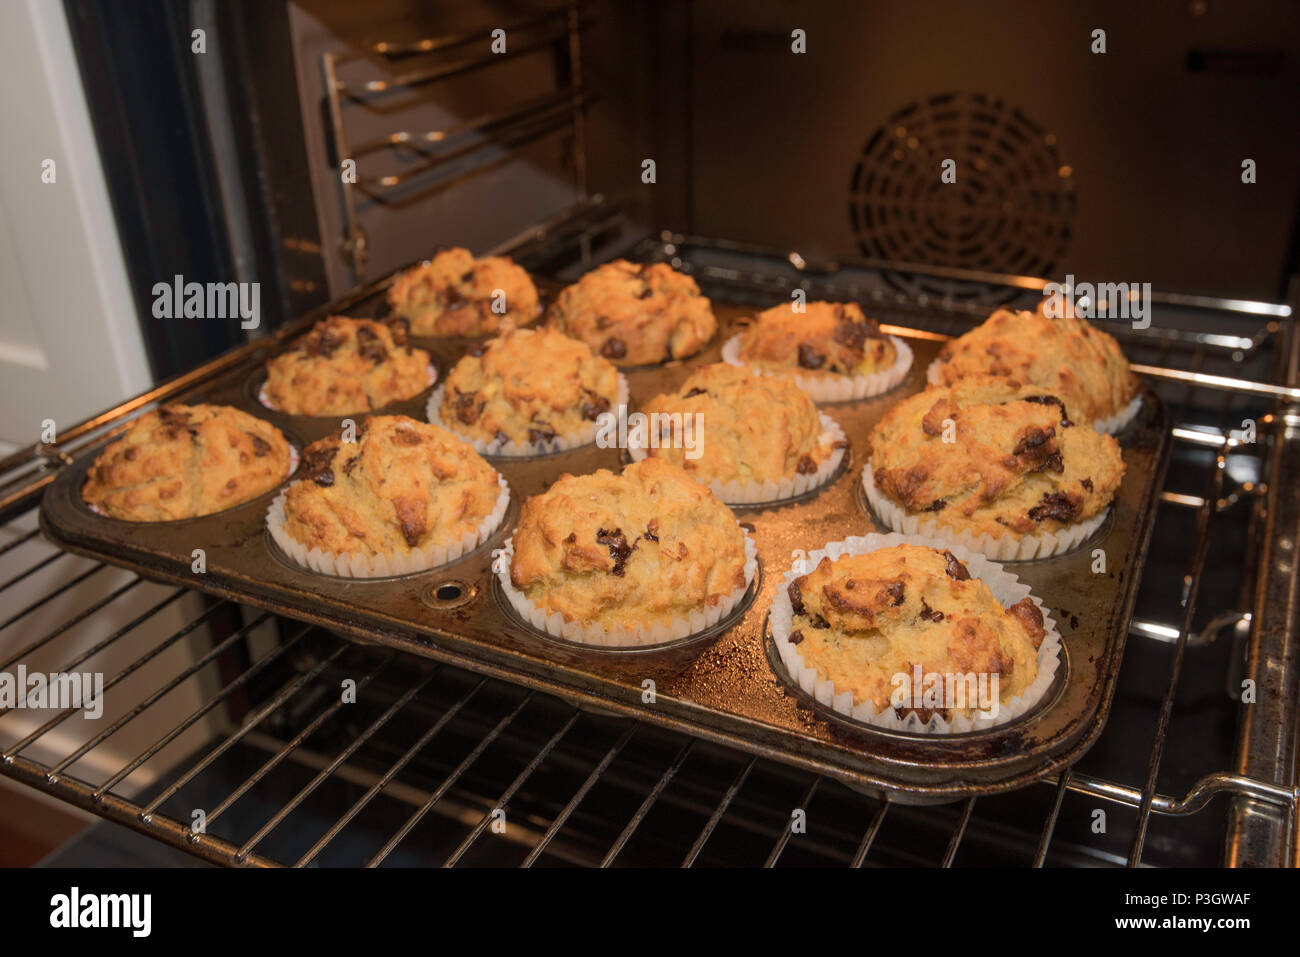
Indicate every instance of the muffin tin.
{"type": "Point", "coordinates": [718, 685]}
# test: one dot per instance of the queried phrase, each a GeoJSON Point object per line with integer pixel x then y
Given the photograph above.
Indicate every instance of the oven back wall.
{"type": "Point", "coordinates": [1123, 165]}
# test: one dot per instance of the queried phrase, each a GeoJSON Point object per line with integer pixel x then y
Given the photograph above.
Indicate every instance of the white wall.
{"type": "Point", "coordinates": [70, 344]}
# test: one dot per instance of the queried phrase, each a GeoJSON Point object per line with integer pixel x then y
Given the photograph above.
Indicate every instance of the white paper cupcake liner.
{"type": "Point", "coordinates": [266, 402]}
{"type": "Point", "coordinates": [1111, 425]}
{"type": "Point", "coordinates": [1006, 548]}
{"type": "Point", "coordinates": [1006, 588]}
{"type": "Point", "coordinates": [1117, 423]}
{"type": "Point", "coordinates": [837, 388]}
{"type": "Point", "coordinates": [738, 492]}
{"type": "Point", "coordinates": [649, 634]}
{"type": "Point", "coordinates": [348, 565]}
{"type": "Point", "coordinates": [512, 449]}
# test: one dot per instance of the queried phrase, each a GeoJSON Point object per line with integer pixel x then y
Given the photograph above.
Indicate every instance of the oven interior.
{"type": "Point", "coordinates": [771, 173]}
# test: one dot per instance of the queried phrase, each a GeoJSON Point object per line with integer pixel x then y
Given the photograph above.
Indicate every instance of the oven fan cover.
{"type": "Point", "coordinates": [1009, 210]}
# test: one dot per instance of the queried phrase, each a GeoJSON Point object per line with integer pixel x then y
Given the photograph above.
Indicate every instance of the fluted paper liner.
{"type": "Point", "coordinates": [348, 565]}
{"type": "Point", "coordinates": [836, 388]}
{"type": "Point", "coordinates": [649, 634]}
{"type": "Point", "coordinates": [512, 449]}
{"type": "Point", "coordinates": [738, 492]}
{"type": "Point", "coordinates": [1110, 425]}
{"type": "Point", "coordinates": [1009, 547]}
{"type": "Point", "coordinates": [1006, 588]}
{"type": "Point", "coordinates": [266, 402]}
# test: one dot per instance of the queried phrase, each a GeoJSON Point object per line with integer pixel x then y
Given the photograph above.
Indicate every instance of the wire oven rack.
{"type": "Point", "coordinates": [437, 765]}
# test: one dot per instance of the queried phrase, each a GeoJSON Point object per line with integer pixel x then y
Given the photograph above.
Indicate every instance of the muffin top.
{"type": "Point", "coordinates": [1066, 357]}
{"type": "Point", "coordinates": [828, 338]}
{"type": "Point", "coordinates": [401, 485]}
{"type": "Point", "coordinates": [528, 386]}
{"type": "Point", "coordinates": [636, 314]}
{"type": "Point", "coordinates": [755, 428]}
{"type": "Point", "coordinates": [181, 461]}
{"type": "Point", "coordinates": [627, 550]}
{"type": "Point", "coordinates": [347, 365]}
{"type": "Point", "coordinates": [992, 456]}
{"type": "Point", "coordinates": [862, 620]}
{"type": "Point", "coordinates": [455, 294]}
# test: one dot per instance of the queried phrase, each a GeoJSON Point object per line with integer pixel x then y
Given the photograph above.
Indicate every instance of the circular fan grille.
{"type": "Point", "coordinates": [1009, 210]}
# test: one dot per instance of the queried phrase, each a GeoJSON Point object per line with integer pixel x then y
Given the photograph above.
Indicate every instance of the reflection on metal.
{"type": "Point", "coordinates": [488, 139]}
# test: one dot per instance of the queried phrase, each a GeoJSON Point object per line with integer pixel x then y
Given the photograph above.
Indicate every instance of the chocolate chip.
{"type": "Point", "coordinates": [619, 549]}
{"type": "Point", "coordinates": [324, 344]}
{"type": "Point", "coordinates": [594, 406]}
{"type": "Point", "coordinates": [955, 569]}
{"type": "Point", "coordinates": [810, 358]}
{"type": "Point", "coordinates": [694, 392]}
{"type": "Point", "coordinates": [853, 334]}
{"type": "Point", "coordinates": [645, 293]}
{"type": "Point", "coordinates": [1035, 452]}
{"type": "Point", "coordinates": [929, 614]}
{"type": "Point", "coordinates": [407, 437]}
{"type": "Point", "coordinates": [317, 463]}
{"type": "Point", "coordinates": [895, 593]}
{"type": "Point", "coordinates": [468, 407]}
{"type": "Point", "coordinates": [796, 597]}
{"type": "Point", "coordinates": [938, 505]}
{"type": "Point", "coordinates": [1032, 439]}
{"type": "Point", "coordinates": [806, 465]}
{"type": "Point", "coordinates": [795, 637]}
{"type": "Point", "coordinates": [652, 530]}
{"type": "Point", "coordinates": [1050, 400]}
{"type": "Point", "coordinates": [1055, 505]}
{"type": "Point", "coordinates": [399, 326]}
{"type": "Point", "coordinates": [370, 346]}
{"type": "Point", "coordinates": [260, 445]}
{"type": "Point", "coordinates": [1086, 483]}
{"type": "Point", "coordinates": [467, 277]}
{"type": "Point", "coordinates": [613, 349]}
{"type": "Point", "coordinates": [543, 434]}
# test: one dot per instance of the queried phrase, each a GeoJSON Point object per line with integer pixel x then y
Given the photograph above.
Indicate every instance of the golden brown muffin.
{"type": "Point", "coordinates": [528, 386]}
{"type": "Point", "coordinates": [863, 619]}
{"type": "Point", "coordinates": [347, 365]}
{"type": "Point", "coordinates": [828, 338]}
{"type": "Point", "coordinates": [181, 461]}
{"type": "Point", "coordinates": [627, 550]}
{"type": "Point", "coordinates": [755, 428]}
{"type": "Point", "coordinates": [455, 294]}
{"type": "Point", "coordinates": [1066, 357]}
{"type": "Point", "coordinates": [636, 314]}
{"type": "Point", "coordinates": [401, 485]}
{"type": "Point", "coordinates": [1015, 462]}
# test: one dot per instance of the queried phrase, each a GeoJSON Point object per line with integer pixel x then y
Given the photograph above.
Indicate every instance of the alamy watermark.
{"type": "Point", "coordinates": [1125, 301]}
{"type": "Point", "coordinates": [932, 691]}
{"type": "Point", "coordinates": [179, 299]}
{"type": "Point", "coordinates": [56, 689]}
{"type": "Point", "coordinates": [657, 430]}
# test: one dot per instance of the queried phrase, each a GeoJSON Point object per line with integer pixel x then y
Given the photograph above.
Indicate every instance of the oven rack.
{"type": "Point", "coordinates": [278, 710]}
{"type": "Point", "coordinates": [470, 147]}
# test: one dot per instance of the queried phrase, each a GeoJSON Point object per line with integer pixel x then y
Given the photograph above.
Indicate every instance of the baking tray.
{"type": "Point", "coordinates": [727, 692]}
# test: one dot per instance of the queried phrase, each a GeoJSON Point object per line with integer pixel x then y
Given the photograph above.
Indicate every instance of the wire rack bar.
{"type": "Point", "coordinates": [504, 798]}
{"type": "Point", "coordinates": [644, 809]}
{"type": "Point", "coordinates": [389, 775]}
{"type": "Point", "coordinates": [447, 783]}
